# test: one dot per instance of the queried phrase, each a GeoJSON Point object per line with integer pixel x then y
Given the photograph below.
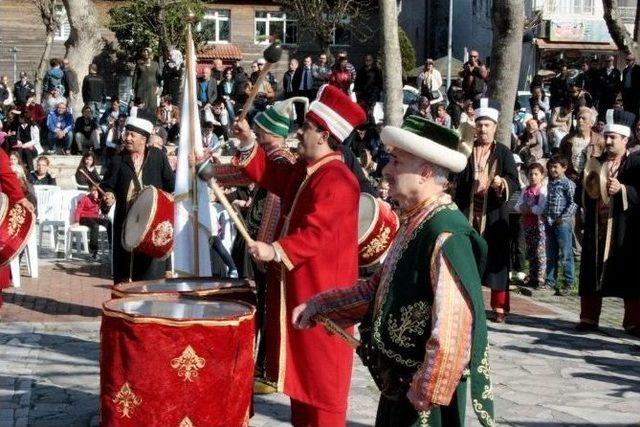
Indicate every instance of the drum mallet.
{"type": "Point", "coordinates": [332, 327]}
{"type": "Point", "coordinates": [272, 55]}
{"type": "Point", "coordinates": [92, 182]}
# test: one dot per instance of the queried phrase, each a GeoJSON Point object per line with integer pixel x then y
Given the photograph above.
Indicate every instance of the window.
{"type": "Point", "coordinates": [216, 25]}
{"type": "Point", "coordinates": [573, 7]}
{"type": "Point", "coordinates": [342, 36]}
{"type": "Point", "coordinates": [64, 29]}
{"type": "Point", "coordinates": [275, 24]}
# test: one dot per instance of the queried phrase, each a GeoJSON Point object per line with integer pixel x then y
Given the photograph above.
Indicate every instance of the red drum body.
{"type": "Point", "coordinates": [377, 227]}
{"type": "Point", "coordinates": [203, 287]}
{"type": "Point", "coordinates": [16, 224]}
{"type": "Point", "coordinates": [171, 361]}
{"type": "Point", "coordinates": [148, 228]}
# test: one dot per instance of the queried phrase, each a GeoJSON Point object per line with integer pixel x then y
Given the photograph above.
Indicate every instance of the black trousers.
{"type": "Point", "coordinates": [94, 224]}
{"type": "Point", "coordinates": [218, 247]}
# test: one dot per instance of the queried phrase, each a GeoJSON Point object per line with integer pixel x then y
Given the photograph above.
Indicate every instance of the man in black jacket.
{"type": "Point", "coordinates": [21, 89]}
{"type": "Point", "coordinates": [631, 85]}
{"type": "Point", "coordinates": [137, 166]}
{"type": "Point", "coordinates": [610, 85]}
{"type": "Point", "coordinates": [93, 91]}
{"type": "Point", "coordinates": [71, 81]}
{"type": "Point", "coordinates": [368, 84]}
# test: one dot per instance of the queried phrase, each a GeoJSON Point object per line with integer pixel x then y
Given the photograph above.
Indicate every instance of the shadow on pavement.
{"type": "Point", "coordinates": [85, 269]}
{"type": "Point", "coordinates": [53, 406]}
{"type": "Point", "coordinates": [59, 344]}
{"type": "Point", "coordinates": [51, 306]}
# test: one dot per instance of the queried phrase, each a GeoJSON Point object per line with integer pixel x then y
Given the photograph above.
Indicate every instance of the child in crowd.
{"type": "Point", "coordinates": [531, 205]}
{"type": "Point", "coordinates": [558, 218]}
{"type": "Point", "coordinates": [91, 212]}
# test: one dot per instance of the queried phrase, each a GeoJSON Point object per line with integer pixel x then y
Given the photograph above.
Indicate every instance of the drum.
{"type": "Point", "coordinates": [172, 361]}
{"type": "Point", "coordinates": [16, 225]}
{"type": "Point", "coordinates": [148, 228]}
{"type": "Point", "coordinates": [205, 287]}
{"type": "Point", "coordinates": [377, 227]}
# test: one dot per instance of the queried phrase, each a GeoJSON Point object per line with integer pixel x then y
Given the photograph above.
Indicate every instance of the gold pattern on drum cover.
{"type": "Point", "coordinates": [186, 422]}
{"type": "Point", "coordinates": [162, 234]}
{"type": "Point", "coordinates": [126, 401]}
{"type": "Point", "coordinates": [188, 364]}
{"type": "Point", "coordinates": [378, 244]}
{"type": "Point", "coordinates": [16, 219]}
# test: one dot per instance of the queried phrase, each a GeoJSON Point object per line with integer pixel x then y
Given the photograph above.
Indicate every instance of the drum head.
{"type": "Point", "coordinates": [367, 215]}
{"type": "Point", "coordinates": [176, 308]}
{"type": "Point", "coordinates": [139, 218]}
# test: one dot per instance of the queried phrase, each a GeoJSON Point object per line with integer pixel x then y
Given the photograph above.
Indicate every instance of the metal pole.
{"type": "Point", "coordinates": [449, 44]}
{"type": "Point", "coordinates": [15, 51]}
{"type": "Point", "coordinates": [192, 136]}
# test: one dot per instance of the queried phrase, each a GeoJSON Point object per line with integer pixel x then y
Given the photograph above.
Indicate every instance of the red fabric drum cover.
{"type": "Point", "coordinates": [16, 225]}
{"type": "Point", "coordinates": [148, 228]}
{"type": "Point", "coordinates": [171, 361]}
{"type": "Point", "coordinates": [205, 287]}
{"type": "Point", "coordinates": [377, 227]}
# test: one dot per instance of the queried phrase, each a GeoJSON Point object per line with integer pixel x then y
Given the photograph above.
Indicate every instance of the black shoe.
{"type": "Point", "coordinates": [566, 291]}
{"type": "Point", "coordinates": [94, 255]}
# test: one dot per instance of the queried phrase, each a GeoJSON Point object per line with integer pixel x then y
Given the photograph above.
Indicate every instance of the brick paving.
{"type": "Point", "coordinates": [544, 373]}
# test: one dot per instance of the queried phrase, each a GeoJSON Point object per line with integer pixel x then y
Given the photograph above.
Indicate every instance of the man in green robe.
{"type": "Point", "coordinates": [424, 333]}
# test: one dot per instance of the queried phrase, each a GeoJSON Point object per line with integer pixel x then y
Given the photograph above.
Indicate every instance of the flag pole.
{"type": "Point", "coordinates": [192, 136]}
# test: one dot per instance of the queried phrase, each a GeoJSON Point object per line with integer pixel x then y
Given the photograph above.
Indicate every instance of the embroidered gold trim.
{"type": "Point", "coordinates": [188, 364]}
{"type": "Point", "coordinates": [484, 367]}
{"type": "Point", "coordinates": [484, 415]}
{"type": "Point", "coordinates": [162, 234]}
{"type": "Point", "coordinates": [413, 320]}
{"type": "Point", "coordinates": [378, 244]}
{"type": "Point", "coordinates": [487, 393]}
{"type": "Point", "coordinates": [424, 418]}
{"type": "Point", "coordinates": [186, 422]}
{"type": "Point", "coordinates": [16, 219]}
{"type": "Point", "coordinates": [126, 401]}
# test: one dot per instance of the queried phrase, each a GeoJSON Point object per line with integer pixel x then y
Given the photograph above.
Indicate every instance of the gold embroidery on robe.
{"type": "Point", "coordinates": [413, 320]}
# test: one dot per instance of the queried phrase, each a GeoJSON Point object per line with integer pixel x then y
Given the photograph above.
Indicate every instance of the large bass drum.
{"type": "Point", "coordinates": [148, 228]}
{"type": "Point", "coordinates": [377, 227]}
{"type": "Point", "coordinates": [202, 287]}
{"type": "Point", "coordinates": [171, 361]}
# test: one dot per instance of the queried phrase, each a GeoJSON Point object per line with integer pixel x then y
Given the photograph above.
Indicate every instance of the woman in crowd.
{"type": "Point", "coordinates": [87, 166]}
{"type": "Point", "coordinates": [91, 212]}
{"type": "Point", "coordinates": [28, 140]}
{"type": "Point", "coordinates": [227, 91]}
{"type": "Point", "coordinates": [442, 118]}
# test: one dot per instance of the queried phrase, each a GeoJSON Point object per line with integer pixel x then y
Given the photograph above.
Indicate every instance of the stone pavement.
{"type": "Point", "coordinates": [544, 373]}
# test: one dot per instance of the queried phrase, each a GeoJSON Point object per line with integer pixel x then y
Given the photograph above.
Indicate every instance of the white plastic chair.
{"type": "Point", "coordinates": [78, 186]}
{"type": "Point", "coordinates": [48, 197]}
{"type": "Point", "coordinates": [75, 231]}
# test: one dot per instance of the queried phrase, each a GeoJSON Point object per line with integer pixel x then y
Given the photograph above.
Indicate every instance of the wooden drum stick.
{"type": "Point", "coordinates": [92, 182]}
{"type": "Point", "coordinates": [254, 91]}
{"type": "Point", "coordinates": [332, 327]}
{"type": "Point", "coordinates": [232, 213]}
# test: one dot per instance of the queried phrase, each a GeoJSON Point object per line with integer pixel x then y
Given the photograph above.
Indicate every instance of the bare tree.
{"type": "Point", "coordinates": [392, 73]}
{"type": "Point", "coordinates": [507, 17]}
{"type": "Point", "coordinates": [625, 41]}
{"type": "Point", "coordinates": [48, 16]}
{"type": "Point", "coordinates": [321, 18]}
{"type": "Point", "coordinates": [84, 41]}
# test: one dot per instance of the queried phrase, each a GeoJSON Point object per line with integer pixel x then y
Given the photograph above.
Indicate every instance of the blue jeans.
{"type": "Point", "coordinates": [560, 250]}
{"type": "Point", "coordinates": [63, 144]}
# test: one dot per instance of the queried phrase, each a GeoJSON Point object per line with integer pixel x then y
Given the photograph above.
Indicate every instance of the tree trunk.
{"type": "Point", "coordinates": [617, 30]}
{"type": "Point", "coordinates": [84, 42]}
{"type": "Point", "coordinates": [507, 17]}
{"type": "Point", "coordinates": [392, 74]}
{"type": "Point", "coordinates": [43, 65]}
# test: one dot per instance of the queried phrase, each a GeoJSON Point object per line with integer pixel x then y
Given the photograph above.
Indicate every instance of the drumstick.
{"type": "Point", "coordinates": [332, 327]}
{"type": "Point", "coordinates": [232, 213]}
{"type": "Point", "coordinates": [92, 182]}
{"type": "Point", "coordinates": [272, 55]}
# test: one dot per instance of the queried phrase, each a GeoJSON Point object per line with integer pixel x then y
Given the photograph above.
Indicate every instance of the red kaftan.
{"type": "Point", "coordinates": [9, 185]}
{"type": "Point", "coordinates": [319, 249]}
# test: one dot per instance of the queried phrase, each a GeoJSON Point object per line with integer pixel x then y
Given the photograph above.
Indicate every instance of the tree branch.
{"type": "Point", "coordinates": [618, 31]}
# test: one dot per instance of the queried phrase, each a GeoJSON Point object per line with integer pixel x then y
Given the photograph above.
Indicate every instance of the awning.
{"type": "Point", "coordinates": [547, 45]}
{"type": "Point", "coordinates": [226, 52]}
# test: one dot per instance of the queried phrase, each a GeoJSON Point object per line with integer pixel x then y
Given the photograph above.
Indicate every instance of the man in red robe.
{"type": "Point", "coordinates": [9, 185]}
{"type": "Point", "coordinates": [317, 250]}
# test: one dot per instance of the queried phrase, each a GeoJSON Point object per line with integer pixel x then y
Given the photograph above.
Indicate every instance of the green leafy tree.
{"type": "Point", "coordinates": [407, 52]}
{"type": "Point", "coordinates": [157, 24]}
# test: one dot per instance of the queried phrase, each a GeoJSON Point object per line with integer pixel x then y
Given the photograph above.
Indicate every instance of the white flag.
{"type": "Point", "coordinates": [190, 141]}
